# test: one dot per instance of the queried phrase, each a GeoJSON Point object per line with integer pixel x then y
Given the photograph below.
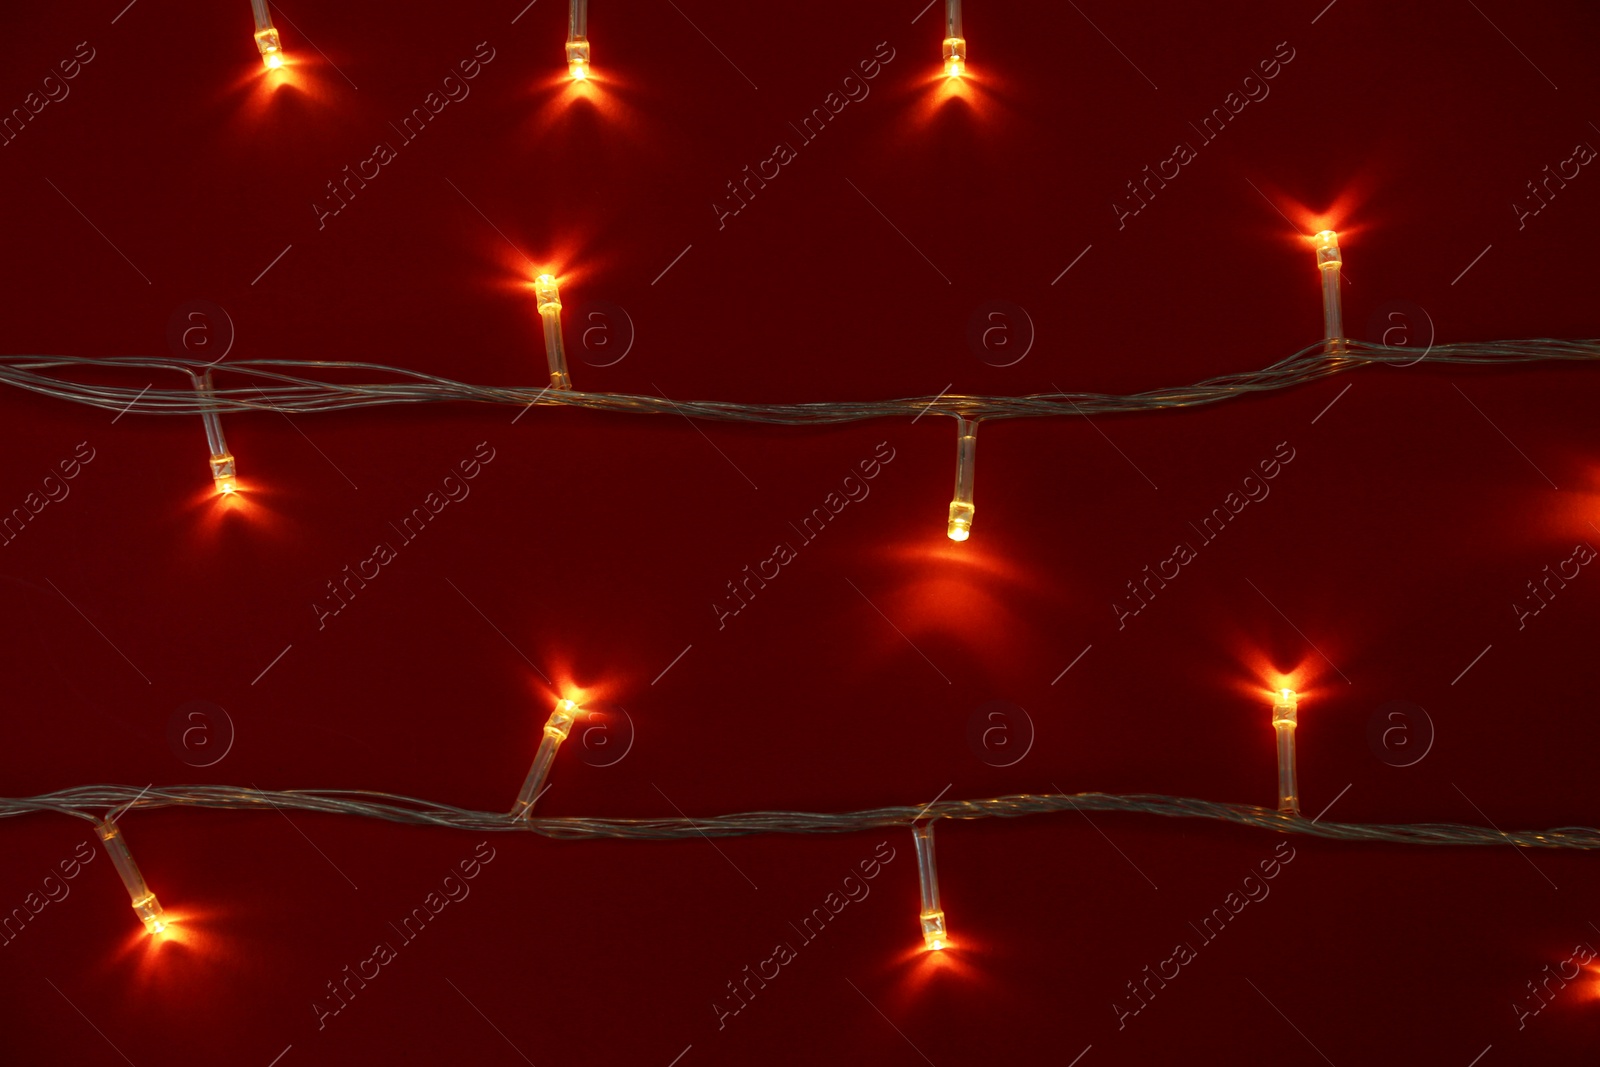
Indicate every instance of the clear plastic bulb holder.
{"type": "Point", "coordinates": [1285, 716]}
{"type": "Point", "coordinates": [1329, 260]}
{"type": "Point", "coordinates": [267, 42]}
{"type": "Point", "coordinates": [961, 507]}
{"type": "Point", "coordinates": [222, 463]}
{"type": "Point", "coordinates": [578, 39]}
{"type": "Point", "coordinates": [934, 935]}
{"type": "Point", "coordinates": [955, 44]}
{"type": "Point", "coordinates": [548, 296]}
{"type": "Point", "coordinates": [145, 904]}
{"type": "Point", "coordinates": [556, 729]}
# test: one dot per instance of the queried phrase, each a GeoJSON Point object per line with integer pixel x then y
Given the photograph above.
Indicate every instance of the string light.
{"type": "Point", "coordinates": [578, 40]}
{"type": "Point", "coordinates": [934, 935]}
{"type": "Point", "coordinates": [961, 507]}
{"type": "Point", "coordinates": [145, 904]}
{"type": "Point", "coordinates": [81, 801]}
{"type": "Point", "coordinates": [549, 300]}
{"type": "Point", "coordinates": [556, 729]}
{"type": "Point", "coordinates": [288, 387]}
{"type": "Point", "coordinates": [1285, 712]}
{"type": "Point", "coordinates": [955, 45]}
{"type": "Point", "coordinates": [267, 36]}
{"type": "Point", "coordinates": [1329, 261]}
{"type": "Point", "coordinates": [222, 464]}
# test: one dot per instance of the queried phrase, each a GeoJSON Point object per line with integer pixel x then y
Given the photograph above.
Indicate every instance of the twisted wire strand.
{"type": "Point", "coordinates": [417, 812]}
{"type": "Point", "coordinates": [294, 386]}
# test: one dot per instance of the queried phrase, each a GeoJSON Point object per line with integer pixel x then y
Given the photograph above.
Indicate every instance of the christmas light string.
{"type": "Point", "coordinates": [1333, 355]}
{"type": "Point", "coordinates": [296, 392]}
{"type": "Point", "coordinates": [82, 801]}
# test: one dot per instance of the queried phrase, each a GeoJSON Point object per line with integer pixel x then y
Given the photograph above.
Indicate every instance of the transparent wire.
{"type": "Point", "coordinates": [962, 509]}
{"type": "Point", "coordinates": [306, 386]}
{"type": "Point", "coordinates": [82, 801]}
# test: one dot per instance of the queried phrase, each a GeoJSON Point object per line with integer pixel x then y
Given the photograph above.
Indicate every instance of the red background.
{"type": "Point", "coordinates": [1386, 558]}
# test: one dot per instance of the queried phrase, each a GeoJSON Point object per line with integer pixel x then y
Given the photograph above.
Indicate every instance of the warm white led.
{"type": "Point", "coordinates": [556, 729]}
{"type": "Point", "coordinates": [955, 45]}
{"type": "Point", "coordinates": [961, 507]}
{"type": "Point", "coordinates": [578, 40]}
{"type": "Point", "coordinates": [934, 935]}
{"type": "Point", "coordinates": [1285, 716]}
{"type": "Point", "coordinates": [222, 464]}
{"type": "Point", "coordinates": [267, 42]}
{"type": "Point", "coordinates": [1329, 260]}
{"type": "Point", "coordinates": [548, 295]}
{"type": "Point", "coordinates": [145, 904]}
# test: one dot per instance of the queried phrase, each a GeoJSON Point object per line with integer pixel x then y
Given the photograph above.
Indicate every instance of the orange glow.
{"type": "Point", "coordinates": [1332, 218]}
{"type": "Point", "coordinates": [1273, 687]}
{"type": "Point", "coordinates": [175, 958]}
{"type": "Point", "coordinates": [264, 91]}
{"type": "Point", "coordinates": [958, 87]}
{"type": "Point", "coordinates": [564, 686]}
{"type": "Point", "coordinates": [920, 967]}
{"type": "Point", "coordinates": [922, 579]}
{"type": "Point", "coordinates": [218, 513]}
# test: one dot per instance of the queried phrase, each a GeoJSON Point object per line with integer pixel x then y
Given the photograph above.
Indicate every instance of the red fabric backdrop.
{"type": "Point", "coordinates": [1382, 565]}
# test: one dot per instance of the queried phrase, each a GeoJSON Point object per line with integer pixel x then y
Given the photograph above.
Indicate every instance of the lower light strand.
{"type": "Point", "coordinates": [413, 811]}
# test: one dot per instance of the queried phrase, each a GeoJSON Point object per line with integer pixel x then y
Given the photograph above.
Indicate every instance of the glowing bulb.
{"type": "Point", "coordinates": [1329, 261]}
{"type": "Point", "coordinates": [556, 729]}
{"type": "Point", "coordinates": [955, 45]}
{"type": "Point", "coordinates": [222, 463]}
{"type": "Point", "coordinates": [548, 296]}
{"type": "Point", "coordinates": [578, 39]}
{"type": "Point", "coordinates": [934, 935]}
{"type": "Point", "coordinates": [267, 42]}
{"type": "Point", "coordinates": [1285, 716]}
{"type": "Point", "coordinates": [145, 904]}
{"type": "Point", "coordinates": [962, 508]}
